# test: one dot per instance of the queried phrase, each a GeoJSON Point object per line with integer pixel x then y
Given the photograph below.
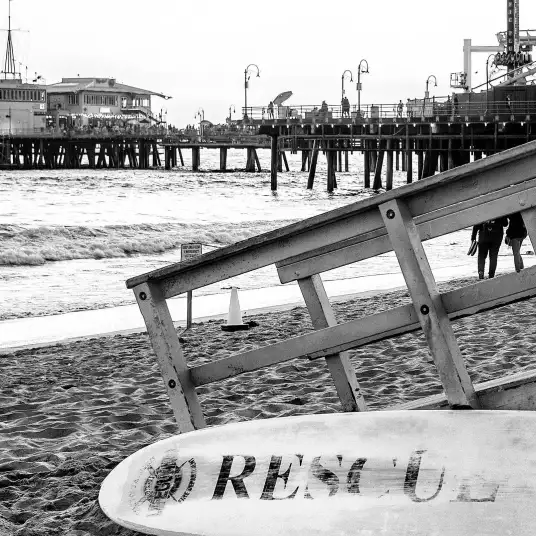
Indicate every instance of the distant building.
{"type": "Point", "coordinates": [100, 101]}
{"type": "Point", "coordinates": [22, 107]}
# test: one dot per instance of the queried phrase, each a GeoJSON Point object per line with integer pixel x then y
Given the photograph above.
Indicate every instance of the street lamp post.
{"type": "Point", "coordinates": [233, 109]}
{"type": "Point", "coordinates": [359, 71]}
{"type": "Point", "coordinates": [342, 81]}
{"type": "Point", "coordinates": [201, 114]}
{"type": "Point", "coordinates": [427, 93]}
{"type": "Point", "coordinates": [246, 79]}
{"type": "Point", "coordinates": [487, 79]}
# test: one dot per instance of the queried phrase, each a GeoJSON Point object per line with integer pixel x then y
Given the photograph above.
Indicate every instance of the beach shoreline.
{"type": "Point", "coordinates": [72, 410]}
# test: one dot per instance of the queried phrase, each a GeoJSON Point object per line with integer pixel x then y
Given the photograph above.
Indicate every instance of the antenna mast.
{"type": "Point", "coordinates": [9, 63]}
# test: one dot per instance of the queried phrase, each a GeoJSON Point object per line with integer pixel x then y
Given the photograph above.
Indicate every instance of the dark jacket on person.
{"type": "Point", "coordinates": [516, 227]}
{"type": "Point", "coordinates": [490, 231]}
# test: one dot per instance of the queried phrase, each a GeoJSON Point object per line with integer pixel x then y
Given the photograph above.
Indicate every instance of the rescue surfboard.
{"type": "Point", "coordinates": [417, 473]}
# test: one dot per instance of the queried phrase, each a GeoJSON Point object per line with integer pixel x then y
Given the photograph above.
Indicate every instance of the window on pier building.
{"type": "Point", "coordinates": [73, 99]}
{"type": "Point", "coordinates": [101, 100]}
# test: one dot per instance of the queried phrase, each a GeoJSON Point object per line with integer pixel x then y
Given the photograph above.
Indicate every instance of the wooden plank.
{"type": "Point", "coordinates": [529, 219]}
{"type": "Point", "coordinates": [431, 225]}
{"type": "Point", "coordinates": [513, 392]}
{"type": "Point", "coordinates": [481, 177]}
{"type": "Point", "coordinates": [428, 304]}
{"type": "Point", "coordinates": [465, 301]}
{"type": "Point", "coordinates": [340, 367]}
{"type": "Point", "coordinates": [166, 346]}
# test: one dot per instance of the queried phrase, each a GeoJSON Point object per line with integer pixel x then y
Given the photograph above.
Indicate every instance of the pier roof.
{"type": "Point", "coordinates": [106, 85]}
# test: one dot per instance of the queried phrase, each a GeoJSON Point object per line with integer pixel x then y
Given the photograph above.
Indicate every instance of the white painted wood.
{"type": "Point", "coordinates": [529, 219]}
{"type": "Point", "coordinates": [487, 175]}
{"type": "Point", "coordinates": [430, 225]}
{"type": "Point", "coordinates": [413, 473]}
{"type": "Point", "coordinates": [514, 392]}
{"type": "Point", "coordinates": [339, 365]}
{"type": "Point", "coordinates": [338, 338]}
{"type": "Point", "coordinates": [166, 346]}
{"type": "Point", "coordinates": [428, 304]}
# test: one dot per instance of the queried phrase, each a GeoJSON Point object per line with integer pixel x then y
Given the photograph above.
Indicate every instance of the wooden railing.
{"type": "Point", "coordinates": [398, 220]}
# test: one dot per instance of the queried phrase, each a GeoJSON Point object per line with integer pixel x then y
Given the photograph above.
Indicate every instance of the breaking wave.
{"type": "Point", "coordinates": [38, 245]}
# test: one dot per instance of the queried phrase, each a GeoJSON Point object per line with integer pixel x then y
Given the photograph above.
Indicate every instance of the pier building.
{"type": "Point", "coordinates": [22, 105]}
{"type": "Point", "coordinates": [97, 101]}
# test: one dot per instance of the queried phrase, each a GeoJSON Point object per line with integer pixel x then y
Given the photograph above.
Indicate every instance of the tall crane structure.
{"type": "Point", "coordinates": [513, 51]}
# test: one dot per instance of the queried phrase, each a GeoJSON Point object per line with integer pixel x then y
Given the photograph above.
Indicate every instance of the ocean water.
{"type": "Point", "coordinates": [70, 238]}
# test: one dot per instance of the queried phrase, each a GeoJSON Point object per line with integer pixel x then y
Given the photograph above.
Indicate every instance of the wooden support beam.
{"type": "Point", "coordinates": [256, 157]}
{"type": "Point", "coordinates": [250, 160]}
{"type": "Point", "coordinates": [331, 157]}
{"type": "Point", "coordinates": [167, 157]}
{"type": "Point", "coordinates": [377, 184]}
{"type": "Point", "coordinates": [366, 165]}
{"type": "Point", "coordinates": [304, 160]}
{"type": "Point", "coordinates": [166, 346]}
{"type": "Point", "coordinates": [389, 164]}
{"type": "Point", "coordinates": [223, 158]}
{"type": "Point", "coordinates": [285, 160]}
{"type": "Point", "coordinates": [274, 160]}
{"type": "Point", "coordinates": [196, 158]}
{"type": "Point", "coordinates": [312, 169]}
{"type": "Point", "coordinates": [346, 161]}
{"type": "Point", "coordinates": [180, 156]}
{"type": "Point", "coordinates": [339, 364]}
{"type": "Point", "coordinates": [409, 161]}
{"type": "Point", "coordinates": [428, 305]}
{"type": "Point", "coordinates": [420, 163]}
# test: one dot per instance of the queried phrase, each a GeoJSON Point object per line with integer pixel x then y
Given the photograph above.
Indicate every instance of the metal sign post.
{"type": "Point", "coordinates": [188, 253]}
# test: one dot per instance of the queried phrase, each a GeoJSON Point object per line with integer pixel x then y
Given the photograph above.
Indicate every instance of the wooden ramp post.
{"type": "Point", "coordinates": [433, 318]}
{"type": "Point", "coordinates": [166, 345]}
{"type": "Point", "coordinates": [340, 367]}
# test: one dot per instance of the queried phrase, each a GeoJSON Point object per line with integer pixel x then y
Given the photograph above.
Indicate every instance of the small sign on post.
{"type": "Point", "coordinates": [188, 253]}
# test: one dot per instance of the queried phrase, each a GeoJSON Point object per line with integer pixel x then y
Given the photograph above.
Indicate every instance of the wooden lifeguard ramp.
{"type": "Point", "coordinates": [398, 220]}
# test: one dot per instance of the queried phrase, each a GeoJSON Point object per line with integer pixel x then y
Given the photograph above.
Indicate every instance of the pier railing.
{"type": "Point", "coordinates": [416, 108]}
{"type": "Point", "coordinates": [399, 221]}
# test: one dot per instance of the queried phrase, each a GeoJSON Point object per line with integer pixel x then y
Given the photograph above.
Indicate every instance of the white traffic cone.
{"type": "Point", "coordinates": [234, 318]}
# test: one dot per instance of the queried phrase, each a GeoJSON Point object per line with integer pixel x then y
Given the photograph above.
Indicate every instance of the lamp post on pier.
{"type": "Point", "coordinates": [247, 76]}
{"type": "Point", "coordinates": [342, 81]}
{"type": "Point", "coordinates": [232, 107]}
{"type": "Point", "coordinates": [487, 80]}
{"type": "Point", "coordinates": [201, 114]}
{"type": "Point", "coordinates": [427, 93]}
{"type": "Point", "coordinates": [359, 71]}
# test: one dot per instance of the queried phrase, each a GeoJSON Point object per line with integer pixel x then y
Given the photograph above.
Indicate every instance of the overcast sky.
{"type": "Point", "coordinates": [196, 51]}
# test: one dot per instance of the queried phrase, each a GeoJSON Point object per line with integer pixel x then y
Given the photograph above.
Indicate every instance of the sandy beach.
{"type": "Point", "coordinates": [70, 412]}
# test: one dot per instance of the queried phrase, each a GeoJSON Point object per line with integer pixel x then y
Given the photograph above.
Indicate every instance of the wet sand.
{"type": "Point", "coordinates": [70, 412]}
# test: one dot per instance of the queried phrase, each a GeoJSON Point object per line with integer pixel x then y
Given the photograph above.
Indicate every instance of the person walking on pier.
{"type": "Point", "coordinates": [400, 109]}
{"type": "Point", "coordinates": [515, 234]}
{"type": "Point", "coordinates": [345, 105]}
{"type": "Point", "coordinates": [490, 235]}
{"type": "Point", "coordinates": [271, 110]}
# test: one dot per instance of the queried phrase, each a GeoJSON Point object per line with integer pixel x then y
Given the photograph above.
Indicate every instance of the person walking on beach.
{"type": "Point", "coordinates": [515, 234]}
{"type": "Point", "coordinates": [490, 235]}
